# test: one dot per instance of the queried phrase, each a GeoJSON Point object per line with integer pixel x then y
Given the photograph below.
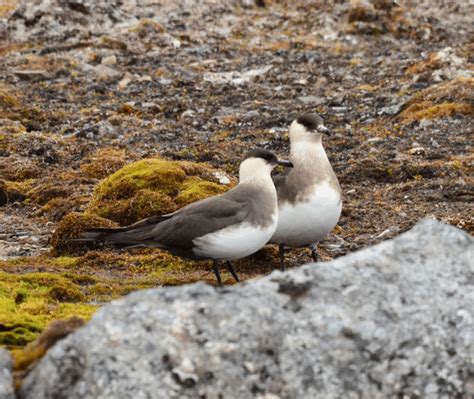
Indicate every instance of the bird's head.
{"type": "Point", "coordinates": [260, 162]}
{"type": "Point", "coordinates": [307, 127]}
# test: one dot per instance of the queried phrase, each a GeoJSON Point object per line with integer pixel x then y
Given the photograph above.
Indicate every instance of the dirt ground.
{"type": "Point", "coordinates": [85, 91]}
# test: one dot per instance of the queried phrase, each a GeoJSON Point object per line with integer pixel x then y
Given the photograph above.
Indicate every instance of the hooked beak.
{"type": "Point", "coordinates": [323, 129]}
{"type": "Point", "coordinates": [284, 163]}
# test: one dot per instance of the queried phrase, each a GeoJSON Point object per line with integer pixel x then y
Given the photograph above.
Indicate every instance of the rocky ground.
{"type": "Point", "coordinates": [87, 87]}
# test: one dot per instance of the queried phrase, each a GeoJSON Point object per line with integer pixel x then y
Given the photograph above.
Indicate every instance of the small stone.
{"type": "Point", "coordinates": [145, 78]}
{"type": "Point", "coordinates": [390, 110]}
{"type": "Point", "coordinates": [164, 81]}
{"type": "Point", "coordinates": [110, 60]}
{"type": "Point", "coordinates": [340, 110]}
{"type": "Point", "coordinates": [417, 151]}
{"type": "Point", "coordinates": [392, 230]}
{"type": "Point", "coordinates": [424, 123]}
{"type": "Point", "coordinates": [149, 105]}
{"type": "Point", "coordinates": [188, 114]}
{"type": "Point", "coordinates": [374, 140]}
{"type": "Point", "coordinates": [31, 74]}
{"type": "Point", "coordinates": [101, 71]}
{"type": "Point", "coordinates": [222, 178]}
{"type": "Point", "coordinates": [125, 81]}
{"type": "Point", "coordinates": [313, 100]}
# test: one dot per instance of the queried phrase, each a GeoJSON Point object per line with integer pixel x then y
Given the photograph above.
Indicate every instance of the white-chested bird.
{"type": "Point", "coordinates": [309, 195]}
{"type": "Point", "coordinates": [222, 228]}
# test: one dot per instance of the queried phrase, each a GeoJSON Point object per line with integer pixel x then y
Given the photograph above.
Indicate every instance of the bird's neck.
{"type": "Point", "coordinates": [260, 180]}
{"type": "Point", "coordinates": [308, 154]}
{"type": "Point", "coordinates": [254, 174]}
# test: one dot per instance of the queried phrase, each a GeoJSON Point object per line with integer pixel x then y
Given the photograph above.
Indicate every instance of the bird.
{"type": "Point", "coordinates": [309, 194]}
{"type": "Point", "coordinates": [221, 228]}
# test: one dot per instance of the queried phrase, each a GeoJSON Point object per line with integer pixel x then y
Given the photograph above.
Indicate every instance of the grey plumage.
{"type": "Point", "coordinates": [309, 195]}
{"type": "Point", "coordinates": [176, 231]}
{"type": "Point", "coordinates": [225, 227]}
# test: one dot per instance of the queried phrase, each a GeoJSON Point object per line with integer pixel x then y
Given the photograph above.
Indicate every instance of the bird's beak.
{"type": "Point", "coordinates": [323, 129]}
{"type": "Point", "coordinates": [284, 163]}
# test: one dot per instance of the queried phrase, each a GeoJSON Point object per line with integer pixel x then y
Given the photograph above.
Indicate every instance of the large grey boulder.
{"type": "Point", "coordinates": [6, 379]}
{"type": "Point", "coordinates": [388, 321]}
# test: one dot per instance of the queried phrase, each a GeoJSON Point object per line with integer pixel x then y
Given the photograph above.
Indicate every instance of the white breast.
{"type": "Point", "coordinates": [310, 221]}
{"type": "Point", "coordinates": [234, 242]}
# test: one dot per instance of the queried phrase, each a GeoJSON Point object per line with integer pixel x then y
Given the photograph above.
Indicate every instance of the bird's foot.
{"type": "Point", "coordinates": [215, 268]}
{"type": "Point", "coordinates": [231, 270]}
{"type": "Point", "coordinates": [281, 252]}
{"type": "Point", "coordinates": [314, 253]}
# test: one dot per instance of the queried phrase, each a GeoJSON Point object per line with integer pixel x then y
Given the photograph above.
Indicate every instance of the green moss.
{"type": "Point", "coordinates": [28, 302]}
{"type": "Point", "coordinates": [146, 174]}
{"type": "Point", "coordinates": [152, 186]}
{"type": "Point", "coordinates": [70, 228]}
{"type": "Point", "coordinates": [195, 190]}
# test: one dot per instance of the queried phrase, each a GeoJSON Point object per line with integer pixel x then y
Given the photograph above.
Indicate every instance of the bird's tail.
{"type": "Point", "coordinates": [136, 235]}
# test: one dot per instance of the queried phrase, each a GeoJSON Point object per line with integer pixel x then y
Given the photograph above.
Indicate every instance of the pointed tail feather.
{"type": "Point", "coordinates": [137, 234]}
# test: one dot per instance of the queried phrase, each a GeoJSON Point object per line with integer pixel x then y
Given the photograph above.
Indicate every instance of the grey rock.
{"type": "Point", "coordinates": [101, 71]}
{"type": "Point", "coordinates": [312, 100]}
{"type": "Point", "coordinates": [6, 379]}
{"type": "Point", "coordinates": [59, 18]}
{"type": "Point", "coordinates": [31, 74]}
{"type": "Point", "coordinates": [390, 109]}
{"type": "Point", "coordinates": [394, 320]}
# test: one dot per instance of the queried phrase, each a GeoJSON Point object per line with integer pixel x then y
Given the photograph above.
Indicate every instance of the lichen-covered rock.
{"type": "Point", "coordinates": [395, 320]}
{"type": "Point", "coordinates": [6, 379]}
{"type": "Point", "coordinates": [150, 187]}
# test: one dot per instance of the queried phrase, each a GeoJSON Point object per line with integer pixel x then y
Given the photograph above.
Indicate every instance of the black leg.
{"type": "Point", "coordinates": [215, 267]}
{"type": "Point", "coordinates": [314, 253]}
{"type": "Point", "coordinates": [231, 270]}
{"type": "Point", "coordinates": [281, 252]}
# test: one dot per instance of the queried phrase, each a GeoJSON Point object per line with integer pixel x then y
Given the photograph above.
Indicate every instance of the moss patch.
{"type": "Point", "coordinates": [429, 110]}
{"type": "Point", "coordinates": [7, 99]}
{"type": "Point", "coordinates": [152, 186]}
{"type": "Point", "coordinates": [25, 359]}
{"type": "Point", "coordinates": [452, 98]}
{"type": "Point", "coordinates": [11, 192]}
{"type": "Point", "coordinates": [103, 162]}
{"type": "Point", "coordinates": [28, 302]}
{"type": "Point", "coordinates": [71, 227]}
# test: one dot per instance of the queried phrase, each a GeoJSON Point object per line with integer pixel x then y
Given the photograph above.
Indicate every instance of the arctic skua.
{"type": "Point", "coordinates": [309, 195]}
{"type": "Point", "coordinates": [221, 228]}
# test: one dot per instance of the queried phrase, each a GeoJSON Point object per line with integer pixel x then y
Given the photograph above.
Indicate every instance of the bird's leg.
{"type": "Point", "coordinates": [281, 252]}
{"type": "Point", "coordinates": [314, 253]}
{"type": "Point", "coordinates": [215, 268]}
{"type": "Point", "coordinates": [231, 270]}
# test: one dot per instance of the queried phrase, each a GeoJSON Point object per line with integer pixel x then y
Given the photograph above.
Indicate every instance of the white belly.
{"type": "Point", "coordinates": [310, 221]}
{"type": "Point", "coordinates": [234, 242]}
